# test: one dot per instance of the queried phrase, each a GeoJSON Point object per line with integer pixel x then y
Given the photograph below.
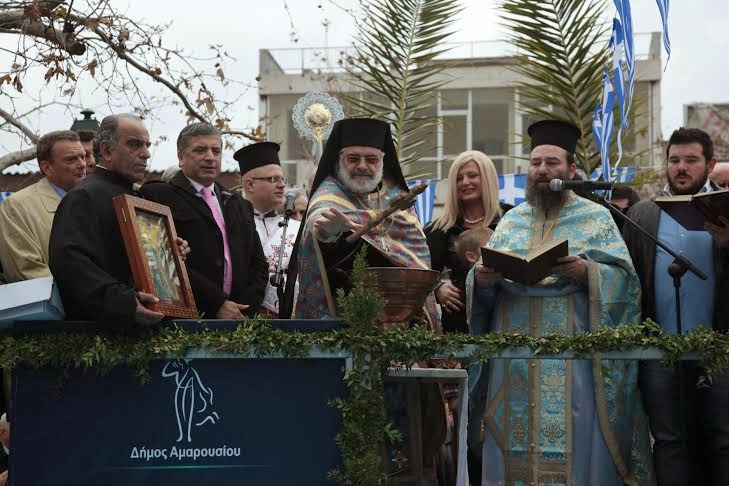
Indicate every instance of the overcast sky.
{"type": "Point", "coordinates": [697, 71]}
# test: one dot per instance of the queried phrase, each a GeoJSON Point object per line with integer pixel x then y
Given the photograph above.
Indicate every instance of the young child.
{"type": "Point", "coordinates": [469, 243]}
{"type": "Point", "coordinates": [468, 249]}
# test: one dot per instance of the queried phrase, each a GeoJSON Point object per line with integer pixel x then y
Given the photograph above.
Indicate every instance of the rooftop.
{"type": "Point", "coordinates": [332, 59]}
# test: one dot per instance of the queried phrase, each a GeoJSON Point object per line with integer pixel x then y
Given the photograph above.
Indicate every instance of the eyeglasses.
{"type": "Point", "coordinates": [355, 158]}
{"type": "Point", "coordinates": [271, 179]}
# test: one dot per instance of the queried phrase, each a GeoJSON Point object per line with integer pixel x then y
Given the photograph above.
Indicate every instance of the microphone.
{"type": "Point", "coordinates": [560, 185]}
{"type": "Point", "coordinates": [289, 205]}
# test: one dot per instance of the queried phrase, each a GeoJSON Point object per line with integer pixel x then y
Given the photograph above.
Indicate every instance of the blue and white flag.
{"type": "Point", "coordinates": [618, 51]}
{"type": "Point", "coordinates": [663, 8]}
{"type": "Point", "coordinates": [4, 195]}
{"type": "Point", "coordinates": [626, 27]}
{"type": "Point", "coordinates": [622, 174]}
{"type": "Point", "coordinates": [512, 188]}
{"type": "Point", "coordinates": [425, 201]}
{"type": "Point", "coordinates": [602, 124]}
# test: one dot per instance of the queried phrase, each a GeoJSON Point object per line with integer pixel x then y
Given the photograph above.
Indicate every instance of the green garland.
{"type": "Point", "coordinates": [371, 347]}
{"type": "Point", "coordinates": [364, 422]}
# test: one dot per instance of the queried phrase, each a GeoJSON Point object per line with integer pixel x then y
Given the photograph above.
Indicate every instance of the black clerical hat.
{"type": "Point", "coordinates": [349, 132]}
{"type": "Point", "coordinates": [364, 132]}
{"type": "Point", "coordinates": [257, 155]}
{"type": "Point", "coordinates": [554, 132]}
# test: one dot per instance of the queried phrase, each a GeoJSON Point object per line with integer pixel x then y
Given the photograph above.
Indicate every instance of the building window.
{"type": "Point", "coordinates": [492, 121]}
{"type": "Point", "coordinates": [469, 119]}
{"type": "Point", "coordinates": [454, 99]}
{"type": "Point", "coordinates": [455, 131]}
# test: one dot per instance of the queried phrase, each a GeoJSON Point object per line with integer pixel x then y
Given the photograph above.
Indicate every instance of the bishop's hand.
{"type": "Point", "coordinates": [331, 223]}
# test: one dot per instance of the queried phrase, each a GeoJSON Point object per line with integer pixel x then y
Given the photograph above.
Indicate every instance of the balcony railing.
{"type": "Point", "coordinates": [332, 59]}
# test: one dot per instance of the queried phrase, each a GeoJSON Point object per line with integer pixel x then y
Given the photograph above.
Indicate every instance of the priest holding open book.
{"type": "Point", "coordinates": [556, 421]}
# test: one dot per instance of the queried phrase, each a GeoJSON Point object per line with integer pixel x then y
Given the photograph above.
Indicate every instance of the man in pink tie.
{"type": "Point", "coordinates": [227, 269]}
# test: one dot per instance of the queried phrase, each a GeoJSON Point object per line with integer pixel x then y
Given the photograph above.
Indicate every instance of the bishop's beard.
{"type": "Point", "coordinates": [362, 183]}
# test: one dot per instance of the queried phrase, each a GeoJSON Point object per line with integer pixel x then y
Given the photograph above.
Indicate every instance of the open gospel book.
{"type": "Point", "coordinates": [692, 210]}
{"type": "Point", "coordinates": [530, 269]}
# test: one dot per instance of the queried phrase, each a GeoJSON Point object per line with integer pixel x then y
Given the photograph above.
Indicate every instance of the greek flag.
{"type": "Point", "coordinates": [626, 28]}
{"type": "Point", "coordinates": [425, 201]}
{"type": "Point", "coordinates": [618, 50]}
{"type": "Point", "coordinates": [602, 124]}
{"type": "Point", "coordinates": [512, 188]}
{"type": "Point", "coordinates": [663, 7]}
{"type": "Point", "coordinates": [622, 174]}
{"type": "Point", "coordinates": [4, 195]}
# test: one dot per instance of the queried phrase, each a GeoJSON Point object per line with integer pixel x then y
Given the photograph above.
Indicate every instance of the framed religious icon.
{"type": "Point", "coordinates": [149, 237]}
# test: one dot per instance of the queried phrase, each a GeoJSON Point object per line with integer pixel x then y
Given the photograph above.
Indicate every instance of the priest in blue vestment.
{"type": "Point", "coordinates": [558, 422]}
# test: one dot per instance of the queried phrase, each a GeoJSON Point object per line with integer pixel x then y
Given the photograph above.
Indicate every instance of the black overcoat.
{"type": "Point", "coordinates": [86, 252]}
{"type": "Point", "coordinates": [194, 222]}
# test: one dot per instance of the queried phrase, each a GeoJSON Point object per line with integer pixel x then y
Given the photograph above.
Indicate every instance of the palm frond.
{"type": "Point", "coordinates": [396, 60]}
{"type": "Point", "coordinates": [564, 54]}
{"type": "Point", "coordinates": [563, 46]}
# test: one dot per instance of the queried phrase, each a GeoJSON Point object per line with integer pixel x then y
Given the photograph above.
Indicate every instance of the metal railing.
{"type": "Point", "coordinates": [298, 60]}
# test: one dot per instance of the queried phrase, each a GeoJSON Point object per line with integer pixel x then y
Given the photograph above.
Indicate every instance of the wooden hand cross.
{"type": "Point", "coordinates": [399, 203]}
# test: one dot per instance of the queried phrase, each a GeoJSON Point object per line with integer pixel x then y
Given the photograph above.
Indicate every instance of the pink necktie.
{"type": "Point", "coordinates": [209, 199]}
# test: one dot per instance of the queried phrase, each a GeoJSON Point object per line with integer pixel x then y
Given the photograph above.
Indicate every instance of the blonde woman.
{"type": "Point", "coordinates": [472, 202]}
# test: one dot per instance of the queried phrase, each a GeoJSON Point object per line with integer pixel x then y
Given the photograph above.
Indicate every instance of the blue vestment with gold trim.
{"type": "Point", "coordinates": [559, 422]}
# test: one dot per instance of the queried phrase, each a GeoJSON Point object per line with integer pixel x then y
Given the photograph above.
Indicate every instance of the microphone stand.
{"type": "Point", "coordinates": [676, 270]}
{"type": "Point", "coordinates": [278, 279]}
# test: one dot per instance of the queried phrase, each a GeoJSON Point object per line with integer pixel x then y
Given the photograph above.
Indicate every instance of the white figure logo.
{"type": "Point", "coordinates": [193, 400]}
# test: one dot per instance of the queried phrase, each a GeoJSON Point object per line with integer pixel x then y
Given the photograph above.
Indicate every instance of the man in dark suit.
{"type": "Point", "coordinates": [227, 269]}
{"type": "Point", "coordinates": [86, 254]}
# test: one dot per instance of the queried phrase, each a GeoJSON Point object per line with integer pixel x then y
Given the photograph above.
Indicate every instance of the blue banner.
{"type": "Point", "coordinates": [620, 175]}
{"type": "Point", "coordinates": [200, 421]}
{"type": "Point", "coordinates": [626, 26]}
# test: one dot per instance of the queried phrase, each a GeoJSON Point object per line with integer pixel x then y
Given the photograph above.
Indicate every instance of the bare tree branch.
{"type": "Point", "coordinates": [21, 22]}
{"type": "Point", "coordinates": [19, 125]}
{"type": "Point", "coordinates": [23, 115]}
{"type": "Point", "coordinates": [64, 42]}
{"type": "Point", "coordinates": [124, 54]}
{"type": "Point", "coordinates": [18, 157]}
{"type": "Point", "coordinates": [248, 135]}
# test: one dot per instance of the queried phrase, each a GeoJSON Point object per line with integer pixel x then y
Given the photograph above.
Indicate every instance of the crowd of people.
{"type": "Point", "coordinates": [583, 422]}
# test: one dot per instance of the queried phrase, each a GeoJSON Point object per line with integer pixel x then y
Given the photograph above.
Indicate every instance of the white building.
{"type": "Point", "coordinates": [477, 105]}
